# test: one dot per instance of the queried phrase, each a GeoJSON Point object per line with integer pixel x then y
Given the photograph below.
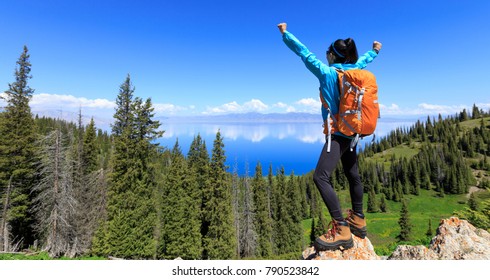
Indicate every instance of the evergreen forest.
{"type": "Point", "coordinates": [71, 189]}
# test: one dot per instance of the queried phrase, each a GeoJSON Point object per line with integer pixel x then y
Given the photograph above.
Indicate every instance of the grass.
{"type": "Point", "coordinates": [383, 228]}
{"type": "Point", "coordinates": [400, 151]}
{"type": "Point", "coordinates": [470, 124]}
{"type": "Point", "coordinates": [42, 256]}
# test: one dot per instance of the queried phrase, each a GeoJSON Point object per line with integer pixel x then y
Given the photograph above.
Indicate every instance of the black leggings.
{"type": "Point", "coordinates": [340, 150]}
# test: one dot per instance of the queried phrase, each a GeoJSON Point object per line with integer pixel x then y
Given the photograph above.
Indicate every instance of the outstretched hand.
{"type": "Point", "coordinates": [282, 27]}
{"type": "Point", "coordinates": [377, 45]}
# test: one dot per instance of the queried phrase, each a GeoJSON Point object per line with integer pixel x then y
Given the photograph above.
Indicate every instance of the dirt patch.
{"type": "Point", "coordinates": [474, 189]}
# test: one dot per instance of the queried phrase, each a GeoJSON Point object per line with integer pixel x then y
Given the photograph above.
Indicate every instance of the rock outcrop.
{"type": "Point", "coordinates": [407, 252]}
{"type": "Point", "coordinates": [455, 240]}
{"type": "Point", "coordinates": [362, 250]}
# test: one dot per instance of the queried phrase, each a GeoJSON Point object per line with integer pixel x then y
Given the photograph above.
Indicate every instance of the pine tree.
{"type": "Point", "coordinates": [220, 240]}
{"type": "Point", "coordinates": [472, 203]}
{"type": "Point", "coordinates": [475, 112]}
{"type": "Point", "coordinates": [181, 211]}
{"type": "Point", "coordinates": [404, 222]}
{"type": "Point", "coordinates": [248, 235]}
{"type": "Point", "coordinates": [90, 149]}
{"type": "Point", "coordinates": [293, 195]}
{"type": "Point", "coordinates": [89, 184]}
{"type": "Point", "coordinates": [237, 205]}
{"type": "Point", "coordinates": [303, 199]}
{"type": "Point", "coordinates": [312, 231]}
{"type": "Point", "coordinates": [272, 193]}
{"type": "Point", "coordinates": [286, 229]}
{"type": "Point", "coordinates": [263, 220]}
{"type": "Point", "coordinates": [463, 116]}
{"type": "Point", "coordinates": [372, 206]}
{"type": "Point", "coordinates": [415, 174]}
{"type": "Point", "coordinates": [321, 225]}
{"type": "Point", "coordinates": [17, 151]}
{"type": "Point", "coordinates": [131, 215]}
{"type": "Point", "coordinates": [198, 160]}
{"type": "Point", "coordinates": [282, 219]}
{"type": "Point", "coordinates": [382, 204]}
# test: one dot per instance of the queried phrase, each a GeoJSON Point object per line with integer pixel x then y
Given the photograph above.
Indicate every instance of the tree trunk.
{"type": "Point", "coordinates": [56, 184]}
{"type": "Point", "coordinates": [4, 229]}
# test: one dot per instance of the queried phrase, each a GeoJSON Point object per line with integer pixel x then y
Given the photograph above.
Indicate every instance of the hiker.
{"type": "Point", "coordinates": [341, 55]}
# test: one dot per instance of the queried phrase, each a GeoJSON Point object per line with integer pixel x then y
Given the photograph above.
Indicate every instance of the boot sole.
{"type": "Point", "coordinates": [344, 244]}
{"type": "Point", "coordinates": [359, 232]}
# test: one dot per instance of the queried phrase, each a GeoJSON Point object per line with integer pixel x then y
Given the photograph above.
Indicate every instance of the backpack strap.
{"type": "Point", "coordinates": [330, 116]}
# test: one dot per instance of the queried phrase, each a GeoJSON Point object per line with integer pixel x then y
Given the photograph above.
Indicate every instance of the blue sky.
{"type": "Point", "coordinates": [217, 56]}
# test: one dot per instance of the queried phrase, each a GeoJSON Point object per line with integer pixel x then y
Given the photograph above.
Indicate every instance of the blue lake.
{"type": "Point", "coordinates": [295, 146]}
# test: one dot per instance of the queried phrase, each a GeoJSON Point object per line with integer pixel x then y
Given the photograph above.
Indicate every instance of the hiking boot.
{"type": "Point", "coordinates": [338, 237]}
{"type": "Point", "coordinates": [357, 224]}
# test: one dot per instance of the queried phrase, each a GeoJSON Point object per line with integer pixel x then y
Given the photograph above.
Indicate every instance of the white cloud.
{"type": "Point", "coordinates": [225, 108]}
{"type": "Point", "coordinates": [442, 109]}
{"type": "Point", "coordinates": [47, 100]}
{"type": "Point", "coordinates": [392, 109]}
{"type": "Point", "coordinates": [304, 105]}
{"type": "Point", "coordinates": [421, 109]}
{"type": "Point", "coordinates": [310, 102]}
{"type": "Point", "coordinates": [484, 106]}
{"type": "Point", "coordinates": [3, 95]}
{"type": "Point", "coordinates": [170, 109]}
{"type": "Point", "coordinates": [280, 105]}
{"type": "Point", "coordinates": [284, 108]}
{"type": "Point", "coordinates": [254, 105]}
{"type": "Point", "coordinates": [67, 106]}
{"type": "Point", "coordinates": [309, 105]}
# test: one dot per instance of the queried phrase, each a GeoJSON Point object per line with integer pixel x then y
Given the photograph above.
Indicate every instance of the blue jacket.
{"type": "Point", "coordinates": [327, 76]}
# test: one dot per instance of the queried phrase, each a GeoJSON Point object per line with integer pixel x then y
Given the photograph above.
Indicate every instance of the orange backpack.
{"type": "Point", "coordinates": [358, 108]}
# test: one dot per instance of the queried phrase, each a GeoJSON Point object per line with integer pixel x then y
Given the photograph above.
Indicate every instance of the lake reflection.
{"type": "Point", "coordinates": [307, 133]}
{"type": "Point", "coordinates": [295, 146]}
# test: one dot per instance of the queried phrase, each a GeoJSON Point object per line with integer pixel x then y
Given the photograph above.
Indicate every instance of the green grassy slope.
{"type": "Point", "coordinates": [383, 228]}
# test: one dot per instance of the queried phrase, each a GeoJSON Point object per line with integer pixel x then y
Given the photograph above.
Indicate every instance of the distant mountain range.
{"type": "Point", "coordinates": [245, 117]}
{"type": "Point", "coordinates": [103, 121]}
{"type": "Point", "coordinates": [269, 118]}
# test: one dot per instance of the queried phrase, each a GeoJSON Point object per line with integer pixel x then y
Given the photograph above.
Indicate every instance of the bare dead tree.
{"type": "Point", "coordinates": [90, 211]}
{"type": "Point", "coordinates": [4, 225]}
{"type": "Point", "coordinates": [55, 204]}
{"type": "Point", "coordinates": [89, 189]}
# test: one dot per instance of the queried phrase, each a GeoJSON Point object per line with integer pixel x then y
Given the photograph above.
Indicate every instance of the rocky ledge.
{"type": "Point", "coordinates": [455, 240]}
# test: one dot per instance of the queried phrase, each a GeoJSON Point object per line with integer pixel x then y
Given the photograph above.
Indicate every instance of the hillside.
{"type": "Point", "coordinates": [433, 166]}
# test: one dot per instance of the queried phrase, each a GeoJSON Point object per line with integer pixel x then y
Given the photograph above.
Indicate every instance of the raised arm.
{"type": "Point", "coordinates": [369, 56]}
{"type": "Point", "coordinates": [316, 66]}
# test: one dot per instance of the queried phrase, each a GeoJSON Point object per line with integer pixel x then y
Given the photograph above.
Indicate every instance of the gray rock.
{"type": "Point", "coordinates": [407, 252]}
{"type": "Point", "coordinates": [455, 240]}
{"type": "Point", "coordinates": [459, 240]}
{"type": "Point", "coordinates": [362, 250]}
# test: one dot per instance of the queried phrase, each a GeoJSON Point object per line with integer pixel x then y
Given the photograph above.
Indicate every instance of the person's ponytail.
{"type": "Point", "coordinates": [345, 51]}
{"type": "Point", "coordinates": [351, 54]}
